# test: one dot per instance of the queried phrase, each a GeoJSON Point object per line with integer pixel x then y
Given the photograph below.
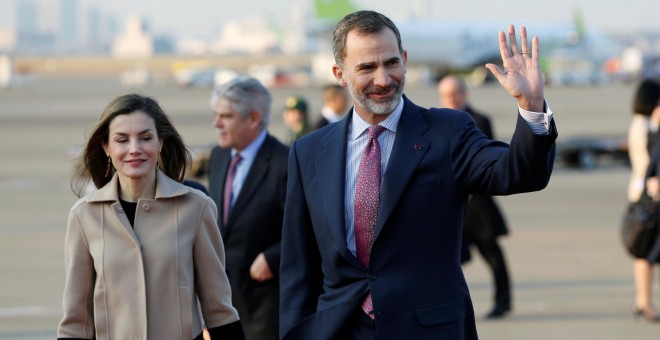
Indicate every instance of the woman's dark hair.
{"type": "Point", "coordinates": [647, 97]}
{"type": "Point", "coordinates": [92, 165]}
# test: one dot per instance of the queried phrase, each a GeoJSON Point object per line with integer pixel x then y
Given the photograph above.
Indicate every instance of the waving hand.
{"type": "Point", "coordinates": [522, 76]}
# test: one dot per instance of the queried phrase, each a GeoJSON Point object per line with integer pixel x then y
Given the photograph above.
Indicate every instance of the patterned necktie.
{"type": "Point", "coordinates": [229, 181]}
{"type": "Point", "coordinates": [367, 199]}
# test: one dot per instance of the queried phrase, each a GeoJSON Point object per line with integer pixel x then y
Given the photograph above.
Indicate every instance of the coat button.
{"type": "Point", "coordinates": [146, 207]}
{"type": "Point", "coordinates": [372, 277]}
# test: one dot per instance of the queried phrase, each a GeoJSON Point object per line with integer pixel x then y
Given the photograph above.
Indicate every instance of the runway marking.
{"type": "Point", "coordinates": [24, 311]}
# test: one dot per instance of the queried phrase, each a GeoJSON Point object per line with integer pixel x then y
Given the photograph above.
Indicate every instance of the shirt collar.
{"type": "Point", "coordinates": [250, 151]}
{"type": "Point", "coordinates": [390, 123]}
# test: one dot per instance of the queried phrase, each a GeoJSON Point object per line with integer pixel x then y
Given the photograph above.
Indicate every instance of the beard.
{"type": "Point", "coordinates": [377, 107]}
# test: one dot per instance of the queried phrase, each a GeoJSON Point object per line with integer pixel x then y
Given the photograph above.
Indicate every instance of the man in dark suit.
{"type": "Point", "coordinates": [247, 181]}
{"type": "Point", "coordinates": [484, 222]}
{"type": "Point", "coordinates": [364, 258]}
{"type": "Point", "coordinates": [335, 104]}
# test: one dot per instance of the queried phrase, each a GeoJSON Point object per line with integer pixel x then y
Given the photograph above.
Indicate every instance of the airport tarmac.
{"type": "Point", "coordinates": [571, 276]}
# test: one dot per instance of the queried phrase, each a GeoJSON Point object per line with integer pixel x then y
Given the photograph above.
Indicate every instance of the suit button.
{"type": "Point", "coordinates": [146, 207]}
{"type": "Point", "coordinates": [372, 277]}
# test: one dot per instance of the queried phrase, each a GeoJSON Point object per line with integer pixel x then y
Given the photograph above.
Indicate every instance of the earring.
{"type": "Point", "coordinates": [107, 168]}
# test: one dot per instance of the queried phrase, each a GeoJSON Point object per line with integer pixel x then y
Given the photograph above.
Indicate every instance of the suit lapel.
{"type": "Point", "coordinates": [331, 171]}
{"type": "Point", "coordinates": [409, 148]}
{"type": "Point", "coordinates": [255, 176]}
{"type": "Point", "coordinates": [217, 185]}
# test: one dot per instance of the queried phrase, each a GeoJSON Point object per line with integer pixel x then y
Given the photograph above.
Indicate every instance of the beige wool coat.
{"type": "Point", "coordinates": [144, 282]}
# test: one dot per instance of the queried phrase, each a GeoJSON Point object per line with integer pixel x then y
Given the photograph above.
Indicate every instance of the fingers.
{"type": "Point", "coordinates": [524, 48]}
{"type": "Point", "coordinates": [504, 50]}
{"type": "Point", "coordinates": [513, 43]}
{"type": "Point", "coordinates": [513, 49]}
{"type": "Point", "coordinates": [535, 47]}
{"type": "Point", "coordinates": [497, 72]}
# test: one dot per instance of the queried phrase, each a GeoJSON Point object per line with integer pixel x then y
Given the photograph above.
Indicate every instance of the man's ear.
{"type": "Point", "coordinates": [339, 75]}
{"type": "Point", "coordinates": [405, 61]}
{"type": "Point", "coordinates": [255, 118]}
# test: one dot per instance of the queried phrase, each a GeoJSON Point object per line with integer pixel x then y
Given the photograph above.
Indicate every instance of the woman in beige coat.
{"type": "Point", "coordinates": [144, 257]}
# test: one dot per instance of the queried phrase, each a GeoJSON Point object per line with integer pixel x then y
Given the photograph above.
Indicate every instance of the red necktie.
{"type": "Point", "coordinates": [367, 199]}
{"type": "Point", "coordinates": [229, 180]}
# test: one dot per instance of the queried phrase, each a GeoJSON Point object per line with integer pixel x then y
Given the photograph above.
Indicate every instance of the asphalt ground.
{"type": "Point", "coordinates": [571, 277]}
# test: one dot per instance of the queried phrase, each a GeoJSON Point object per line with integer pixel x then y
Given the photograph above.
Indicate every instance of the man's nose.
{"type": "Point", "coordinates": [382, 78]}
{"type": "Point", "coordinates": [217, 122]}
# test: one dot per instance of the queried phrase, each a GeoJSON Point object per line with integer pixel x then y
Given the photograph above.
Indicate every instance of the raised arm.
{"type": "Point", "coordinates": [521, 77]}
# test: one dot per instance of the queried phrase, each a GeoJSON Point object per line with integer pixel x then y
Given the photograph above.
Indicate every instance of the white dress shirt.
{"type": "Point", "coordinates": [248, 154]}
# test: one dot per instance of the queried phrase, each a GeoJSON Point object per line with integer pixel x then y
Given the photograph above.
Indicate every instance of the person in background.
{"type": "Point", "coordinates": [335, 105]}
{"type": "Point", "coordinates": [195, 185]}
{"type": "Point", "coordinates": [247, 180]}
{"type": "Point", "coordinates": [373, 220]}
{"type": "Point", "coordinates": [295, 117]}
{"type": "Point", "coordinates": [484, 222]}
{"type": "Point", "coordinates": [645, 103]}
{"type": "Point", "coordinates": [143, 252]}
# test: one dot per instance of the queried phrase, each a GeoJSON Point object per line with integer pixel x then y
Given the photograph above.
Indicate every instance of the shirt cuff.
{"type": "Point", "coordinates": [539, 122]}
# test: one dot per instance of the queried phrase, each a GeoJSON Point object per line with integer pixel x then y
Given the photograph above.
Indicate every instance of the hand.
{"type": "Point", "coordinates": [259, 270]}
{"type": "Point", "coordinates": [523, 78]}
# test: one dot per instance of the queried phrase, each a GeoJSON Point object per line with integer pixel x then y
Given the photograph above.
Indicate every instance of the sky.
{"type": "Point", "coordinates": [204, 18]}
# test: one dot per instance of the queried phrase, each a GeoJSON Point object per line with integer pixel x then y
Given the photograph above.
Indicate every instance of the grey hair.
{"type": "Point", "coordinates": [245, 95]}
{"type": "Point", "coordinates": [364, 22]}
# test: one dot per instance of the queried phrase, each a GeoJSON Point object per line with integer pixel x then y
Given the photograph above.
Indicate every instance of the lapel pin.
{"type": "Point", "coordinates": [418, 147]}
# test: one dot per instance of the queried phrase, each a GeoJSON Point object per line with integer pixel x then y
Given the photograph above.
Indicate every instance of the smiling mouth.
{"type": "Point", "coordinates": [382, 93]}
{"type": "Point", "coordinates": [135, 162]}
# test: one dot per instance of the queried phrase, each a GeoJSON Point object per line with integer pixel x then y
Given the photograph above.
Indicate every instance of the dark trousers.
{"type": "Point", "coordinates": [492, 253]}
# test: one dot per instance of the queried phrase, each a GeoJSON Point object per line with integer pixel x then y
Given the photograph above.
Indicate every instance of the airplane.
{"type": "Point", "coordinates": [437, 47]}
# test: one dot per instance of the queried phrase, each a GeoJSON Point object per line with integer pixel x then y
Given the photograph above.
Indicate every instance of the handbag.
{"type": "Point", "coordinates": [640, 226]}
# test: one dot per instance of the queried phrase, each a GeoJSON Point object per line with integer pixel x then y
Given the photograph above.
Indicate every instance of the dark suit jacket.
{"type": "Point", "coordinates": [484, 219]}
{"type": "Point", "coordinates": [254, 226]}
{"type": "Point", "coordinates": [439, 157]}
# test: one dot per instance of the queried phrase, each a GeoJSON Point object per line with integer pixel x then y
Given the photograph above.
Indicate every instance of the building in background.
{"type": "Point", "coordinates": [69, 35]}
{"type": "Point", "coordinates": [135, 42]}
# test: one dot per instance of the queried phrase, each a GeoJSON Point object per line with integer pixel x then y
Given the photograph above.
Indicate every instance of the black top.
{"type": "Point", "coordinates": [129, 208]}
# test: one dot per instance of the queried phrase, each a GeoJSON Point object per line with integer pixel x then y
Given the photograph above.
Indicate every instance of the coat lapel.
{"type": "Point", "coordinates": [331, 171]}
{"type": "Point", "coordinates": [409, 148]}
{"type": "Point", "coordinates": [109, 193]}
{"type": "Point", "coordinates": [217, 187]}
{"type": "Point", "coordinates": [253, 180]}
